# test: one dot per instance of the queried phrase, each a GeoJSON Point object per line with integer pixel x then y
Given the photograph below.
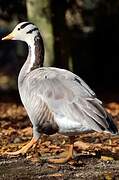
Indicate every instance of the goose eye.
{"type": "Point", "coordinates": [18, 29]}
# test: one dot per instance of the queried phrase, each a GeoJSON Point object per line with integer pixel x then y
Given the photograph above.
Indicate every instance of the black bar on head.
{"type": "Point", "coordinates": [30, 31]}
{"type": "Point", "coordinates": [24, 25]}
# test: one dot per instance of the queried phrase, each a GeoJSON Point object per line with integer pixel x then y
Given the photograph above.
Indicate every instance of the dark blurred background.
{"type": "Point", "coordinates": [79, 35]}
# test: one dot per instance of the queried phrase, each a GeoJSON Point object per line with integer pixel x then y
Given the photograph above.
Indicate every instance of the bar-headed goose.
{"type": "Point", "coordinates": [56, 100]}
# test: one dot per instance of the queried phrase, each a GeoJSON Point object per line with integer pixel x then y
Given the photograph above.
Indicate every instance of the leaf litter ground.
{"type": "Point", "coordinates": [96, 155]}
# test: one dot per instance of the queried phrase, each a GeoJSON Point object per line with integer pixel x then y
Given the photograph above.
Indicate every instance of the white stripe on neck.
{"type": "Point", "coordinates": [31, 57]}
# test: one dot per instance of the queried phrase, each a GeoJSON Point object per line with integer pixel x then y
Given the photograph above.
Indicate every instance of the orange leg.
{"type": "Point", "coordinates": [24, 149]}
{"type": "Point", "coordinates": [65, 159]}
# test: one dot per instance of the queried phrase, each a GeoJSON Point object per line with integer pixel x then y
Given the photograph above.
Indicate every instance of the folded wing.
{"type": "Point", "coordinates": [69, 96]}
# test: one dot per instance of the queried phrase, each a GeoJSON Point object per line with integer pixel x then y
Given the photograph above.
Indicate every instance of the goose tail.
{"type": "Point", "coordinates": [112, 128]}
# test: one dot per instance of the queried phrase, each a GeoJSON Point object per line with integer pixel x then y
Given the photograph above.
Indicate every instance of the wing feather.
{"type": "Point", "coordinates": [68, 95]}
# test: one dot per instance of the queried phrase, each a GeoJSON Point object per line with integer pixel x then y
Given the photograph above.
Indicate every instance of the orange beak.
{"type": "Point", "coordinates": [8, 37]}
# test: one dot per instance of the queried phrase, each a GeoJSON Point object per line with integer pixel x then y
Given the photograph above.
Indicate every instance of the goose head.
{"type": "Point", "coordinates": [24, 31]}
{"type": "Point", "coordinates": [29, 33]}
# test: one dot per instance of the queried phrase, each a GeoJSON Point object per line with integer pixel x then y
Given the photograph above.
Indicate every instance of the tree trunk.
{"type": "Point", "coordinates": [39, 13]}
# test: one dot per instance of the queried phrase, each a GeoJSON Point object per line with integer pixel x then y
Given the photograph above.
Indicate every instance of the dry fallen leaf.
{"type": "Point", "coordinates": [107, 158]}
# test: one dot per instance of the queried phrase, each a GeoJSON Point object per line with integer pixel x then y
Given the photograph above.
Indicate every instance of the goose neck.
{"type": "Point", "coordinates": [35, 57]}
{"type": "Point", "coordinates": [36, 53]}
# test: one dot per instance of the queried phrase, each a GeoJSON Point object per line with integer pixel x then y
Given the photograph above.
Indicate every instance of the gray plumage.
{"type": "Point", "coordinates": [56, 100]}
{"type": "Point", "coordinates": [73, 105]}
